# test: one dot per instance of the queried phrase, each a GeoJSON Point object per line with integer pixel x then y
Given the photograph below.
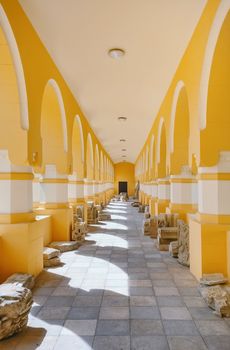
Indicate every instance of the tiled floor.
{"type": "Point", "coordinates": [117, 292]}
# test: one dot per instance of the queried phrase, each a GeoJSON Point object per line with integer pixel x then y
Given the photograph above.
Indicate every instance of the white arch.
{"type": "Point", "coordinates": [57, 90]}
{"type": "Point", "coordinates": [147, 159]}
{"type": "Point", "coordinates": [6, 27]}
{"type": "Point", "coordinates": [176, 95]}
{"type": "Point", "coordinates": [221, 13]}
{"type": "Point", "coordinates": [78, 120]}
{"type": "Point", "coordinates": [97, 157]}
{"type": "Point", "coordinates": [161, 123]}
{"type": "Point", "coordinates": [151, 151]}
{"type": "Point", "coordinates": [89, 137]}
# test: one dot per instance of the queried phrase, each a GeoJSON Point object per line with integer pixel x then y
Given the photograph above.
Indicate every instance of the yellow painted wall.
{"type": "Point", "coordinates": [38, 70]}
{"type": "Point", "coordinates": [124, 171]}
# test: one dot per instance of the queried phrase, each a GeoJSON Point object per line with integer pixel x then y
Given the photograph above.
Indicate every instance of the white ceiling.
{"type": "Point", "coordinates": [154, 34]}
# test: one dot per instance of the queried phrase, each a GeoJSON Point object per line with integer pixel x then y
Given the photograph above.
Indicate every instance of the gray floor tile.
{"type": "Point", "coordinates": [144, 312]}
{"type": "Point", "coordinates": [59, 301]}
{"type": "Point", "coordinates": [174, 313]}
{"type": "Point", "coordinates": [215, 342]}
{"type": "Point", "coordinates": [203, 313]}
{"type": "Point", "coordinates": [146, 327]}
{"type": "Point", "coordinates": [172, 301]}
{"type": "Point", "coordinates": [112, 327]}
{"type": "Point", "coordinates": [117, 313]}
{"type": "Point", "coordinates": [149, 343]}
{"type": "Point", "coordinates": [83, 313]}
{"type": "Point", "coordinates": [166, 291]}
{"type": "Point", "coordinates": [180, 327]}
{"type": "Point", "coordinates": [186, 343]}
{"type": "Point", "coordinates": [115, 301]}
{"type": "Point", "coordinates": [87, 301]}
{"type": "Point", "coordinates": [140, 291]}
{"type": "Point", "coordinates": [79, 327]}
{"type": "Point", "coordinates": [210, 327]}
{"type": "Point", "coordinates": [73, 342]}
{"type": "Point", "coordinates": [142, 300]}
{"type": "Point", "coordinates": [111, 343]}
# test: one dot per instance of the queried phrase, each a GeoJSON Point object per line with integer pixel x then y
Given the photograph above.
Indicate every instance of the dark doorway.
{"type": "Point", "coordinates": [122, 186]}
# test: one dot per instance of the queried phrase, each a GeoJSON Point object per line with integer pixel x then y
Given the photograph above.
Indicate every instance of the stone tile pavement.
{"type": "Point", "coordinates": [117, 292]}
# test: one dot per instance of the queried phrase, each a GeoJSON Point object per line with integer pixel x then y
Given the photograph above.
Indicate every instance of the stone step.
{"type": "Point", "coordinates": [52, 262]}
{"type": "Point", "coordinates": [64, 246]}
{"type": "Point", "coordinates": [49, 253]}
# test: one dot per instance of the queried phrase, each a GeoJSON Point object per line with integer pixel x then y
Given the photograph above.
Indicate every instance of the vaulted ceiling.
{"type": "Point", "coordinates": [154, 35]}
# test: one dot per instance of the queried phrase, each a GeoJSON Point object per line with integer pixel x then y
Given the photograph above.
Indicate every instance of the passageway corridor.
{"type": "Point", "coordinates": [117, 292]}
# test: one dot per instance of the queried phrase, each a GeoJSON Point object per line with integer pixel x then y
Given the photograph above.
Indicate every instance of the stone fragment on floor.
{"type": "Point", "coordinates": [64, 246]}
{"type": "Point", "coordinates": [15, 305]}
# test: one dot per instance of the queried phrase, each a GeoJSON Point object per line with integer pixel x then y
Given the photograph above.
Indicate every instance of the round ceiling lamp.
{"type": "Point", "coordinates": [116, 53]}
{"type": "Point", "coordinates": [122, 119]}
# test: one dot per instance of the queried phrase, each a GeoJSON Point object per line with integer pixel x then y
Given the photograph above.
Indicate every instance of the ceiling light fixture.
{"type": "Point", "coordinates": [123, 149]}
{"type": "Point", "coordinates": [122, 140]}
{"type": "Point", "coordinates": [123, 156]}
{"type": "Point", "coordinates": [116, 53]}
{"type": "Point", "coordinates": [122, 119]}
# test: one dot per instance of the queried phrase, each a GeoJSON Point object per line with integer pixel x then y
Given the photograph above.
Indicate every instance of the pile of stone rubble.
{"type": "Point", "coordinates": [15, 304]}
{"type": "Point", "coordinates": [216, 293]}
{"type": "Point", "coordinates": [79, 226]}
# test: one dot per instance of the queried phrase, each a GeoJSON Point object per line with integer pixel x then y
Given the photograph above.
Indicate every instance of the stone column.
{"type": "Point", "coordinates": [209, 238]}
{"type": "Point", "coordinates": [163, 195]}
{"type": "Point", "coordinates": [183, 193]}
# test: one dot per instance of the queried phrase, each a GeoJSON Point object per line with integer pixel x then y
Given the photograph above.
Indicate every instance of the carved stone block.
{"type": "Point", "coordinates": [24, 279]}
{"type": "Point", "coordinates": [15, 305]}
{"type": "Point", "coordinates": [64, 246]}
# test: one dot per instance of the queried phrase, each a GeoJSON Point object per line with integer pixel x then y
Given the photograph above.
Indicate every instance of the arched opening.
{"type": "Point", "coordinates": [78, 148]}
{"type": "Point", "coordinates": [97, 164]}
{"type": "Point", "coordinates": [53, 128]}
{"type": "Point", "coordinates": [89, 158]}
{"type": "Point", "coordinates": [161, 150]}
{"type": "Point", "coordinates": [13, 96]}
{"type": "Point", "coordinates": [215, 87]}
{"type": "Point", "coordinates": [179, 130]}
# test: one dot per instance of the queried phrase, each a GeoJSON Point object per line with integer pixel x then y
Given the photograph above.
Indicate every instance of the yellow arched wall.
{"type": "Point", "coordinates": [38, 70]}
{"type": "Point", "coordinates": [189, 71]}
{"type": "Point", "coordinates": [124, 171]}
